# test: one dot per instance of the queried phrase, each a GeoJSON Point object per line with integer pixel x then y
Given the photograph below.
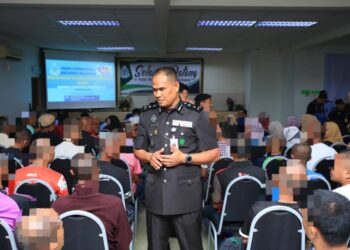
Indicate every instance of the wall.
{"type": "Point", "coordinates": [15, 79]}
{"type": "Point", "coordinates": [222, 78]}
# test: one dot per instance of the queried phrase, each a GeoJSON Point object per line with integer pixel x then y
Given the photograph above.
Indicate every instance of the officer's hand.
{"type": "Point", "coordinates": [155, 159]}
{"type": "Point", "coordinates": [176, 158]}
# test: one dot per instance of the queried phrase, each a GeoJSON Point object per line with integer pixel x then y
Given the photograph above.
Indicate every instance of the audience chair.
{"type": "Point", "coordinates": [339, 146]}
{"type": "Point", "coordinates": [39, 189]}
{"type": "Point", "coordinates": [317, 182]}
{"type": "Point", "coordinates": [240, 195]}
{"type": "Point", "coordinates": [272, 165]}
{"type": "Point", "coordinates": [346, 139]}
{"type": "Point", "coordinates": [7, 238]}
{"type": "Point", "coordinates": [212, 169]}
{"type": "Point", "coordinates": [323, 167]}
{"type": "Point", "coordinates": [83, 230]}
{"type": "Point", "coordinates": [277, 227]}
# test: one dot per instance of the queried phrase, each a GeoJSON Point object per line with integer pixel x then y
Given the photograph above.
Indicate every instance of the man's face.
{"type": "Point", "coordinates": [165, 90]}
{"type": "Point", "coordinates": [241, 114]}
{"type": "Point", "coordinates": [337, 173]}
{"type": "Point", "coordinates": [184, 95]}
{"type": "Point", "coordinates": [206, 104]}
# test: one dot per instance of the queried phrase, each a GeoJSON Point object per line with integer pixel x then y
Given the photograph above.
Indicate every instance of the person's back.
{"type": "Point", "coordinates": [46, 123]}
{"type": "Point", "coordinates": [239, 168]}
{"type": "Point", "coordinates": [106, 207]}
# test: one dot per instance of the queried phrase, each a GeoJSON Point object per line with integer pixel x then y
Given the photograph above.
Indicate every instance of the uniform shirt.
{"type": "Point", "coordinates": [109, 209]}
{"type": "Point", "coordinates": [9, 210]}
{"type": "Point", "coordinates": [53, 178]}
{"type": "Point", "coordinates": [223, 177]}
{"type": "Point", "coordinates": [175, 190]}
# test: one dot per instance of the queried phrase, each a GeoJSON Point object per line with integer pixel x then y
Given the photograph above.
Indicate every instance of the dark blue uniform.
{"type": "Point", "coordinates": [174, 194]}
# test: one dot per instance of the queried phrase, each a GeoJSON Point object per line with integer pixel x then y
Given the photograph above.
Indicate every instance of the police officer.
{"type": "Point", "coordinates": [175, 138]}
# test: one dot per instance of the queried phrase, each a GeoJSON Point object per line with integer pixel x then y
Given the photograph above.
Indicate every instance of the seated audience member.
{"type": "Point", "coordinates": [31, 122]}
{"type": "Point", "coordinates": [112, 124]}
{"type": "Point", "coordinates": [62, 115]}
{"type": "Point", "coordinates": [292, 121]}
{"type": "Point", "coordinates": [86, 197]}
{"type": "Point", "coordinates": [183, 92]}
{"type": "Point", "coordinates": [327, 220]}
{"type": "Point", "coordinates": [264, 120]}
{"type": "Point", "coordinates": [42, 154]}
{"type": "Point", "coordinates": [305, 122]}
{"type": "Point", "coordinates": [22, 140]}
{"type": "Point", "coordinates": [47, 127]}
{"type": "Point", "coordinates": [302, 152]}
{"type": "Point", "coordinates": [5, 141]}
{"type": "Point", "coordinates": [110, 149]}
{"type": "Point", "coordinates": [135, 115]}
{"type": "Point", "coordinates": [42, 229]}
{"type": "Point", "coordinates": [291, 181]}
{"type": "Point", "coordinates": [340, 173]}
{"type": "Point", "coordinates": [319, 150]}
{"type": "Point", "coordinates": [241, 166]}
{"type": "Point", "coordinates": [204, 100]}
{"type": "Point", "coordinates": [332, 134]}
{"type": "Point", "coordinates": [241, 115]}
{"type": "Point", "coordinates": [88, 140]}
{"type": "Point", "coordinates": [71, 135]}
{"type": "Point", "coordinates": [9, 210]}
{"type": "Point", "coordinates": [275, 129]}
{"type": "Point", "coordinates": [339, 116]}
{"type": "Point", "coordinates": [292, 135]}
{"type": "Point", "coordinates": [95, 126]}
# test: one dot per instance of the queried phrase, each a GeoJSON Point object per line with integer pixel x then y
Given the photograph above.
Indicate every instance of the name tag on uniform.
{"type": "Point", "coordinates": [180, 123]}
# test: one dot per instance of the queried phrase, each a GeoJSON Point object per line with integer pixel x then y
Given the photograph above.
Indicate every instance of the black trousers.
{"type": "Point", "coordinates": [187, 228]}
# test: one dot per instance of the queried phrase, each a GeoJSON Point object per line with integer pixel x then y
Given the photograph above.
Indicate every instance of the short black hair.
{"type": "Point", "coordinates": [339, 101]}
{"type": "Point", "coordinates": [200, 98]}
{"type": "Point", "coordinates": [323, 94]}
{"type": "Point", "coordinates": [330, 213]}
{"type": "Point", "coordinates": [302, 152]}
{"type": "Point", "coordinates": [22, 134]}
{"type": "Point", "coordinates": [136, 111]}
{"type": "Point", "coordinates": [84, 114]}
{"type": "Point", "coordinates": [183, 87]}
{"type": "Point", "coordinates": [168, 71]}
{"type": "Point", "coordinates": [243, 110]}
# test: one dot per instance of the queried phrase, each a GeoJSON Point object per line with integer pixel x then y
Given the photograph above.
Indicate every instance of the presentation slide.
{"type": "Point", "coordinates": [74, 84]}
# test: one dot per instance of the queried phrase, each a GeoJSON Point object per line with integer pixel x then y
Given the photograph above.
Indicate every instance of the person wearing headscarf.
{"type": "Point", "coordinates": [292, 121]}
{"type": "Point", "coordinates": [112, 123]}
{"type": "Point", "coordinates": [306, 120]}
{"type": "Point", "coordinates": [276, 130]}
{"type": "Point", "coordinates": [292, 135]}
{"type": "Point", "coordinates": [332, 133]}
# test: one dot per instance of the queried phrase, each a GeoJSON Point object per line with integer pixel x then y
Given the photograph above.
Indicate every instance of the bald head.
{"type": "Point", "coordinates": [301, 152]}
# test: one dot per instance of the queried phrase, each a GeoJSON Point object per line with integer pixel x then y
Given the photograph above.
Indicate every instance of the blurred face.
{"type": "Point", "coordinates": [165, 90]}
{"type": "Point", "coordinates": [341, 170]}
{"type": "Point", "coordinates": [43, 150]}
{"type": "Point", "coordinates": [241, 114]}
{"type": "Point", "coordinates": [206, 104]}
{"type": "Point", "coordinates": [292, 178]}
{"type": "Point", "coordinates": [340, 106]}
{"type": "Point", "coordinates": [184, 95]}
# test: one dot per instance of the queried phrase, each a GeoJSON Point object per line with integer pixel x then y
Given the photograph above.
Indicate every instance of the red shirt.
{"type": "Point", "coordinates": [53, 178]}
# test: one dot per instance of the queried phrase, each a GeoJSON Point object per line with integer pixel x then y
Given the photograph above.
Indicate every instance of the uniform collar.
{"type": "Point", "coordinates": [178, 107]}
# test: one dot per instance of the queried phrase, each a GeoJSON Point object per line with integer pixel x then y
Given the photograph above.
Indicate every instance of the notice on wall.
{"type": "Point", "coordinates": [136, 76]}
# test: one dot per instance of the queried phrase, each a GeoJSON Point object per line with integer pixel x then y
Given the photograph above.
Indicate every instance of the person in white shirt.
{"type": "Point", "coordinates": [5, 141]}
{"type": "Point", "coordinates": [319, 150]}
{"type": "Point", "coordinates": [341, 173]}
{"type": "Point", "coordinates": [71, 134]}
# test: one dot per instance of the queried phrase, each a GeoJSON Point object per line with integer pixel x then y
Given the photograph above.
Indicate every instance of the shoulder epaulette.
{"type": "Point", "coordinates": [150, 106]}
{"type": "Point", "coordinates": [193, 107]}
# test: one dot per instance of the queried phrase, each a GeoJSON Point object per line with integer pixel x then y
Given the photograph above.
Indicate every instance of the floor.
{"type": "Point", "coordinates": [141, 239]}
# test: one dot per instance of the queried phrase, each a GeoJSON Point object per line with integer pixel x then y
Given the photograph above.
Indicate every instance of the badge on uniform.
{"type": "Point", "coordinates": [181, 123]}
{"type": "Point", "coordinates": [174, 142]}
{"type": "Point", "coordinates": [153, 118]}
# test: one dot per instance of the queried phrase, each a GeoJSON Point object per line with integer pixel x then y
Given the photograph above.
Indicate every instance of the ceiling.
{"type": "Point", "coordinates": [162, 27]}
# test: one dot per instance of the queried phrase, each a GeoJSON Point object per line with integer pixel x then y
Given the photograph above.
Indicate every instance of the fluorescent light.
{"type": "Point", "coordinates": [225, 23]}
{"type": "Point", "coordinates": [202, 49]}
{"type": "Point", "coordinates": [116, 48]}
{"type": "Point", "coordinates": [89, 23]}
{"type": "Point", "coordinates": [285, 24]}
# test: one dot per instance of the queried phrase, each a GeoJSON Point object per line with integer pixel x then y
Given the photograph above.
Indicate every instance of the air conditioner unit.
{"type": "Point", "coordinates": [9, 53]}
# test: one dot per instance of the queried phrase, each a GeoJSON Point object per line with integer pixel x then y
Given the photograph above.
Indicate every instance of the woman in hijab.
{"type": "Point", "coordinates": [112, 124]}
{"type": "Point", "coordinates": [307, 120]}
{"type": "Point", "coordinates": [332, 133]}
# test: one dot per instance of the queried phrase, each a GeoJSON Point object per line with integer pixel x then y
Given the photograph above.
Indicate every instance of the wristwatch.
{"type": "Point", "coordinates": [188, 158]}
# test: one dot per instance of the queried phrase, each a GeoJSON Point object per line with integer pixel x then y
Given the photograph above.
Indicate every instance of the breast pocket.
{"type": "Point", "coordinates": [185, 137]}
